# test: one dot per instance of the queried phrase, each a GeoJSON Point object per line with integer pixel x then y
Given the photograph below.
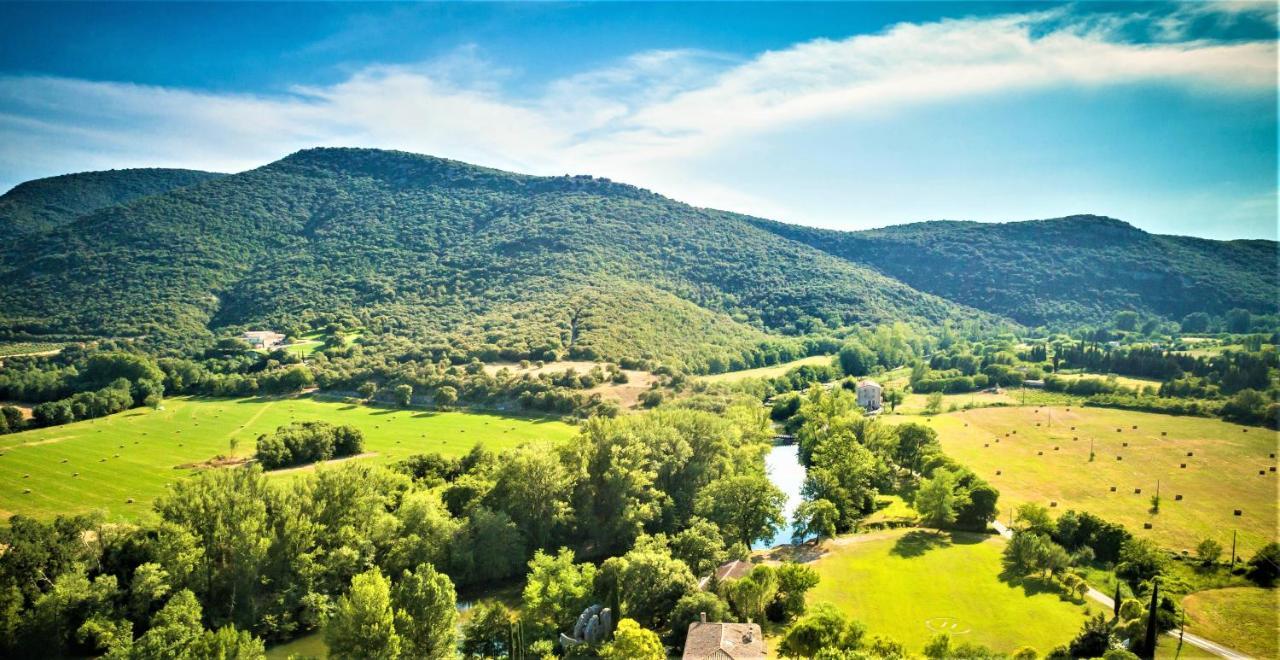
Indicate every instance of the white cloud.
{"type": "Point", "coordinates": [637, 120]}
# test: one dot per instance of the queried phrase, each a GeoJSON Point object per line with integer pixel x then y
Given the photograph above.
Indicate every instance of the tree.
{"type": "Point", "coordinates": [794, 581]}
{"type": "Point", "coordinates": [856, 359]}
{"type": "Point", "coordinates": [426, 614]}
{"type": "Point", "coordinates": [367, 390]}
{"type": "Point", "coordinates": [446, 396]}
{"type": "Point", "coordinates": [894, 398]}
{"type": "Point", "coordinates": [533, 487]}
{"type": "Point", "coordinates": [1022, 555]}
{"type": "Point", "coordinates": [1195, 322]}
{"type": "Point", "coordinates": [1093, 639]}
{"type": "Point", "coordinates": [631, 642]}
{"type": "Point", "coordinates": [752, 593]}
{"type": "Point", "coordinates": [933, 405]}
{"type": "Point", "coordinates": [914, 440]}
{"type": "Point", "coordinates": [1239, 320]}
{"type": "Point", "coordinates": [174, 631]}
{"type": "Point", "coordinates": [488, 632]}
{"type": "Point", "coordinates": [363, 621]}
{"type": "Point", "coordinates": [1141, 560]}
{"type": "Point", "coordinates": [747, 507]}
{"type": "Point", "coordinates": [936, 499]}
{"type": "Point", "coordinates": [824, 627]}
{"type": "Point", "coordinates": [1126, 321]}
{"type": "Point", "coordinates": [556, 591]}
{"type": "Point", "coordinates": [817, 519]}
{"type": "Point", "coordinates": [404, 395]}
{"type": "Point", "coordinates": [1208, 552]}
{"type": "Point", "coordinates": [700, 545]}
{"type": "Point", "coordinates": [1264, 568]}
{"type": "Point", "coordinates": [1034, 518]}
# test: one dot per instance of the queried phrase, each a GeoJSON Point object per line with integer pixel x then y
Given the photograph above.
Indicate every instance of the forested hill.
{"type": "Point", "coordinates": [1072, 270]}
{"type": "Point", "coordinates": [429, 247]}
{"type": "Point", "coordinates": [45, 204]}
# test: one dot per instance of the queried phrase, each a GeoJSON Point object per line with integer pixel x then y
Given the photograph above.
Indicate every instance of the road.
{"type": "Point", "coordinates": [1187, 638]}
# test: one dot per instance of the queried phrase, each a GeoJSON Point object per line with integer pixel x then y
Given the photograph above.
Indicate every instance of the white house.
{"type": "Point", "coordinates": [870, 395]}
{"type": "Point", "coordinates": [262, 339]}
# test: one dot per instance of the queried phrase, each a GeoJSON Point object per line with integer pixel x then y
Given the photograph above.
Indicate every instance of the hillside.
{"type": "Point", "coordinates": [45, 204]}
{"type": "Point", "coordinates": [1074, 269]}
{"type": "Point", "coordinates": [440, 249]}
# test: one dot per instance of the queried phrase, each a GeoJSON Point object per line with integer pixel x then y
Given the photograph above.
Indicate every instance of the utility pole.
{"type": "Point", "coordinates": [1233, 549]}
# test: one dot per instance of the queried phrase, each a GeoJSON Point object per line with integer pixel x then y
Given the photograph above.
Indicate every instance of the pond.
{"type": "Point", "coordinates": [786, 472]}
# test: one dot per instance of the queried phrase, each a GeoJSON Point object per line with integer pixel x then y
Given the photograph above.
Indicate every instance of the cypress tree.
{"type": "Point", "coordinates": [1116, 605]}
{"type": "Point", "coordinates": [1150, 643]}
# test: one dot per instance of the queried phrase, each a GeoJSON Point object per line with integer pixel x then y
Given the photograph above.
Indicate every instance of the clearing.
{"type": "Point", "coordinates": [1042, 456]}
{"type": "Point", "coordinates": [626, 394]}
{"type": "Point", "coordinates": [102, 463]}
{"type": "Point", "coordinates": [910, 585]}
{"type": "Point", "coordinates": [766, 372]}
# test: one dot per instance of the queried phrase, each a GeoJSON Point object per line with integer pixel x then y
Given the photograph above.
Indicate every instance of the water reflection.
{"type": "Point", "coordinates": [786, 472]}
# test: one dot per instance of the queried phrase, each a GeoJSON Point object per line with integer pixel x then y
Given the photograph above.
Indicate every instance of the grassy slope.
{"type": "Point", "coordinates": [1222, 476]}
{"type": "Point", "coordinates": [766, 372]}
{"type": "Point", "coordinates": [149, 444]}
{"type": "Point", "coordinates": [896, 582]}
{"type": "Point", "coordinates": [1243, 618]}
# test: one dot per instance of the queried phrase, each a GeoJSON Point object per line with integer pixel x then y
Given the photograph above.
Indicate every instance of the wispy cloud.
{"type": "Point", "coordinates": [635, 120]}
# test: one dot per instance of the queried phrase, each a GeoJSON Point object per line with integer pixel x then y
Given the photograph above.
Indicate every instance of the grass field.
{"type": "Point", "coordinates": [1243, 618]}
{"type": "Point", "coordinates": [1221, 476]}
{"type": "Point", "coordinates": [912, 584]}
{"type": "Point", "coordinates": [765, 372]}
{"type": "Point", "coordinates": [135, 453]}
{"type": "Point", "coordinates": [27, 348]}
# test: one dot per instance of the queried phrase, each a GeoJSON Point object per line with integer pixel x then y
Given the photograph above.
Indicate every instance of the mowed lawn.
{"type": "Point", "coordinates": [766, 372]}
{"type": "Point", "coordinates": [134, 454]}
{"type": "Point", "coordinates": [912, 584]}
{"type": "Point", "coordinates": [1221, 476]}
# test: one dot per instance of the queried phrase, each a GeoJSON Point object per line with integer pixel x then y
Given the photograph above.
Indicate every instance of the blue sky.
{"type": "Point", "coordinates": [837, 115]}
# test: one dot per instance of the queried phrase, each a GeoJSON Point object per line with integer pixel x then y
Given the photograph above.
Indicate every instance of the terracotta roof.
{"type": "Point", "coordinates": [727, 641]}
{"type": "Point", "coordinates": [866, 381]}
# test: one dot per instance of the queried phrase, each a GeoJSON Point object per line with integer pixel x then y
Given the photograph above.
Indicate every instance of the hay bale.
{"type": "Point", "coordinates": [129, 501]}
{"type": "Point", "coordinates": [1262, 472]}
{"type": "Point", "coordinates": [1135, 427]}
{"type": "Point", "coordinates": [1073, 428]}
{"type": "Point", "coordinates": [1040, 453]}
{"type": "Point", "coordinates": [1183, 466]}
{"type": "Point", "coordinates": [1053, 505]}
{"type": "Point", "coordinates": [985, 445]}
{"type": "Point", "coordinates": [1037, 423]}
{"type": "Point", "coordinates": [26, 491]}
{"type": "Point", "coordinates": [1124, 444]}
{"type": "Point", "coordinates": [1146, 525]}
{"type": "Point", "coordinates": [1177, 498]}
{"type": "Point", "coordinates": [63, 460]}
{"type": "Point", "coordinates": [1119, 430]}
{"type": "Point", "coordinates": [1119, 458]}
{"type": "Point", "coordinates": [1055, 448]}
{"type": "Point", "coordinates": [1113, 489]}
{"type": "Point", "coordinates": [1272, 468]}
{"type": "Point", "coordinates": [26, 476]}
{"type": "Point", "coordinates": [1164, 433]}
{"type": "Point", "coordinates": [1191, 453]}
{"type": "Point", "coordinates": [1137, 491]}
{"type": "Point", "coordinates": [1239, 512]}
{"type": "Point", "coordinates": [997, 473]}
{"type": "Point", "coordinates": [75, 474]}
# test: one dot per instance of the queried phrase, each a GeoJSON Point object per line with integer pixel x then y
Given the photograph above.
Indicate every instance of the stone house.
{"type": "Point", "coordinates": [870, 395]}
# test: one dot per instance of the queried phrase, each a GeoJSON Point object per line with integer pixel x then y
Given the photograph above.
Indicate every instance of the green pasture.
{"type": "Point", "coordinates": [8, 348]}
{"type": "Point", "coordinates": [912, 584]}
{"type": "Point", "coordinates": [102, 463]}
{"type": "Point", "coordinates": [1222, 475]}
{"type": "Point", "coordinates": [1242, 618]}
{"type": "Point", "coordinates": [766, 372]}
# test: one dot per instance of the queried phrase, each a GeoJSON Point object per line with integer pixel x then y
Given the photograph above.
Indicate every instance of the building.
{"type": "Point", "coordinates": [723, 641]}
{"type": "Point", "coordinates": [263, 339]}
{"type": "Point", "coordinates": [870, 395]}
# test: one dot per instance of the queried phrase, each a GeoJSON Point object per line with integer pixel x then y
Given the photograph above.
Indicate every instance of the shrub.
{"type": "Point", "coordinates": [307, 442]}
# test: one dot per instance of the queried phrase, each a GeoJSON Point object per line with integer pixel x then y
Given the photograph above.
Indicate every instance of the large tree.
{"type": "Point", "coordinates": [747, 507]}
{"type": "Point", "coordinates": [426, 614]}
{"type": "Point", "coordinates": [362, 625]}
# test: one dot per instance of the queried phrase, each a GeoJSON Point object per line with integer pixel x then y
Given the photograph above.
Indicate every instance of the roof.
{"type": "Point", "coordinates": [727, 641]}
{"type": "Point", "coordinates": [866, 382]}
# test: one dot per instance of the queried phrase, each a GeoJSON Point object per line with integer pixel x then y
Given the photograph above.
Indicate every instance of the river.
{"type": "Point", "coordinates": [786, 472]}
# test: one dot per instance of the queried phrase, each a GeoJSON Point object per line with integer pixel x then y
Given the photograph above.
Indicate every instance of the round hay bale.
{"type": "Point", "coordinates": [1164, 433]}
{"type": "Point", "coordinates": [1137, 491]}
{"type": "Point", "coordinates": [1073, 428]}
{"type": "Point", "coordinates": [1119, 430]}
{"type": "Point", "coordinates": [1039, 453]}
{"type": "Point", "coordinates": [1119, 458]}
{"type": "Point", "coordinates": [75, 474]}
{"type": "Point", "coordinates": [985, 445]}
{"type": "Point", "coordinates": [26, 476]}
{"type": "Point", "coordinates": [1146, 525]}
{"type": "Point", "coordinates": [63, 461]}
{"type": "Point", "coordinates": [1055, 448]}
{"type": "Point", "coordinates": [1037, 423]}
{"type": "Point", "coordinates": [1113, 489]}
{"type": "Point", "coordinates": [129, 501]}
{"type": "Point", "coordinates": [1191, 453]}
{"type": "Point", "coordinates": [1183, 466]}
{"type": "Point", "coordinates": [26, 491]}
{"type": "Point", "coordinates": [1135, 427]}
{"type": "Point", "coordinates": [1177, 498]}
{"type": "Point", "coordinates": [1239, 512]}
{"type": "Point", "coordinates": [1015, 431]}
{"type": "Point", "coordinates": [1053, 505]}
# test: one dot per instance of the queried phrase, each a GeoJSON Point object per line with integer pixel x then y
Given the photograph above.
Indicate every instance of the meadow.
{"type": "Point", "coordinates": [1243, 618]}
{"type": "Point", "coordinates": [766, 372]}
{"type": "Point", "coordinates": [102, 464]}
{"type": "Point", "coordinates": [911, 585]}
{"type": "Point", "coordinates": [1041, 455]}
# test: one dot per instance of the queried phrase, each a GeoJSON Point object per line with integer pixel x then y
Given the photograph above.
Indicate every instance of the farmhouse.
{"type": "Point", "coordinates": [723, 641]}
{"type": "Point", "coordinates": [263, 339]}
{"type": "Point", "coordinates": [870, 395]}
